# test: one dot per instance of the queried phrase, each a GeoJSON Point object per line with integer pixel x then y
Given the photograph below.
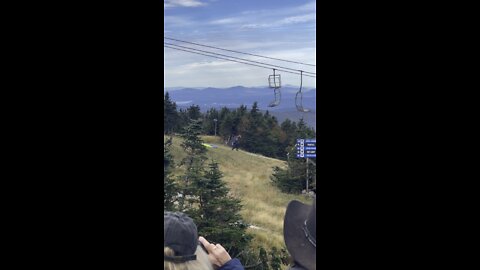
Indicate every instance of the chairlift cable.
{"type": "Point", "coordinates": [243, 59]}
{"type": "Point", "coordinates": [166, 46]}
{"type": "Point", "coordinates": [213, 47]}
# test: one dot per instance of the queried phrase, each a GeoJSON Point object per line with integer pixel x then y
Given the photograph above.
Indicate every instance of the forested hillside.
{"type": "Point", "coordinates": [260, 132]}
{"type": "Point", "coordinates": [236, 197]}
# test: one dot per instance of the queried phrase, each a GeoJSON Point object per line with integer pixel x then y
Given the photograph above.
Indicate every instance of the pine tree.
{"type": "Point", "coordinates": [242, 110]}
{"type": "Point", "coordinates": [169, 186]}
{"type": "Point", "coordinates": [193, 146]}
{"type": "Point", "coordinates": [170, 115]}
{"type": "Point", "coordinates": [218, 215]}
{"type": "Point", "coordinates": [226, 126]}
{"type": "Point", "coordinates": [194, 113]}
{"type": "Point", "coordinates": [209, 121]}
{"type": "Point", "coordinates": [189, 201]}
{"type": "Point", "coordinates": [255, 112]}
{"type": "Point", "coordinates": [251, 130]}
{"type": "Point", "coordinates": [303, 131]}
{"type": "Point", "coordinates": [287, 181]}
{"type": "Point", "coordinates": [183, 120]}
{"type": "Point", "coordinates": [290, 129]}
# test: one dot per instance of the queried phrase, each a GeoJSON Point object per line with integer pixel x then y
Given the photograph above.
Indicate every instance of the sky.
{"type": "Point", "coordinates": [284, 29]}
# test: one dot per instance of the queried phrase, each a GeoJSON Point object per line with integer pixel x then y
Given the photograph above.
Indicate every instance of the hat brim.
{"type": "Point", "coordinates": [302, 251]}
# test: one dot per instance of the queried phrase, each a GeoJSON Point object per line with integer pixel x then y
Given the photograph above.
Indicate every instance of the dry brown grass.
{"type": "Point", "coordinates": [248, 177]}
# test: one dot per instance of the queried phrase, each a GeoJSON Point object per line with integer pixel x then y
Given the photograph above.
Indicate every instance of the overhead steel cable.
{"type": "Point", "coordinates": [236, 61]}
{"type": "Point", "coordinates": [213, 47]}
{"type": "Point", "coordinates": [243, 59]}
{"type": "Point", "coordinates": [194, 52]}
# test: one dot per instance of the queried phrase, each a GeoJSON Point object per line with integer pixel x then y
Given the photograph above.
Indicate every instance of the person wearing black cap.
{"type": "Point", "coordinates": [180, 244]}
{"type": "Point", "coordinates": [183, 251]}
{"type": "Point", "coordinates": [300, 234]}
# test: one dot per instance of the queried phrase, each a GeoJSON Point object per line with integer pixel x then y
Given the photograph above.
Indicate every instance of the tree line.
{"type": "Point", "coordinates": [260, 132]}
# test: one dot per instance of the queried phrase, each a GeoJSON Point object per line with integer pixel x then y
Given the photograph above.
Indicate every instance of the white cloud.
{"type": "Point", "coordinates": [309, 7]}
{"type": "Point", "coordinates": [182, 3]}
{"type": "Point", "coordinates": [225, 21]}
{"type": "Point", "coordinates": [254, 25]}
{"type": "Point", "coordinates": [207, 64]}
{"type": "Point", "coordinates": [299, 19]}
{"type": "Point", "coordinates": [312, 6]}
{"type": "Point", "coordinates": [177, 21]}
{"type": "Point", "coordinates": [270, 17]}
{"type": "Point", "coordinates": [286, 21]}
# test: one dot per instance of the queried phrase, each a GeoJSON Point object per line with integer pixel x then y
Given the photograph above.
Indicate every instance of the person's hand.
{"type": "Point", "coordinates": [216, 253]}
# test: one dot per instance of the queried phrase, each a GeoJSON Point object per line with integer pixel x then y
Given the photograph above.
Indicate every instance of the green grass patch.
{"type": "Point", "coordinates": [248, 177]}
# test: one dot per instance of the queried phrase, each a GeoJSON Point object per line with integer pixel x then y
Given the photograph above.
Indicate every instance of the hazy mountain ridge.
{"type": "Point", "coordinates": [233, 97]}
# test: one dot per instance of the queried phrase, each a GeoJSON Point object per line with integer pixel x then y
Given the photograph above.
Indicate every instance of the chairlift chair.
{"type": "Point", "coordinates": [274, 82]}
{"type": "Point", "coordinates": [299, 97]}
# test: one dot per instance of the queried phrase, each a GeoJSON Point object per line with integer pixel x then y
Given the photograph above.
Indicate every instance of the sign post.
{"type": "Point", "coordinates": [307, 178]}
{"type": "Point", "coordinates": [307, 148]}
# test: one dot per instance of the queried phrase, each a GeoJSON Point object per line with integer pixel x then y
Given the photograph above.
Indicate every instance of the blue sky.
{"type": "Point", "coordinates": [280, 29]}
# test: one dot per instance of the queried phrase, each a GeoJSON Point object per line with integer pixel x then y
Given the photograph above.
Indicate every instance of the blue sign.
{"type": "Point", "coordinates": [306, 148]}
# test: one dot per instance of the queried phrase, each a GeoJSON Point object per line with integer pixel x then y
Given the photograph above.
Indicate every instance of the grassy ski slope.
{"type": "Point", "coordinates": [248, 177]}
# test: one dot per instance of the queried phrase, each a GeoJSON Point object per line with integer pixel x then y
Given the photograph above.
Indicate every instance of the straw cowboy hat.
{"type": "Point", "coordinates": [300, 233]}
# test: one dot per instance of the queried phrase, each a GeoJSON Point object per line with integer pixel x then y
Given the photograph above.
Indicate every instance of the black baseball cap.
{"type": "Point", "coordinates": [180, 234]}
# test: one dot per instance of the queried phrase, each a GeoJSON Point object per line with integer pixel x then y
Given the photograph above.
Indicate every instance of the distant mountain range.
{"type": "Point", "coordinates": [233, 97]}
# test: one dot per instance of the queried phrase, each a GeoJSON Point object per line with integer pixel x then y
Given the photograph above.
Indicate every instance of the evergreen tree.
{"type": "Point", "coordinates": [226, 127]}
{"type": "Point", "coordinates": [279, 142]}
{"type": "Point", "coordinates": [218, 216]}
{"type": "Point", "coordinates": [170, 116]}
{"type": "Point", "coordinates": [252, 131]}
{"type": "Point", "coordinates": [255, 112]}
{"type": "Point", "coordinates": [242, 110]}
{"type": "Point", "coordinates": [224, 112]}
{"type": "Point", "coordinates": [209, 121]}
{"type": "Point", "coordinates": [303, 131]}
{"type": "Point", "coordinates": [189, 201]}
{"type": "Point", "coordinates": [290, 129]}
{"type": "Point", "coordinates": [169, 186]}
{"type": "Point", "coordinates": [193, 112]}
{"type": "Point", "coordinates": [286, 181]}
{"type": "Point", "coordinates": [183, 119]}
{"type": "Point", "coordinates": [193, 146]}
